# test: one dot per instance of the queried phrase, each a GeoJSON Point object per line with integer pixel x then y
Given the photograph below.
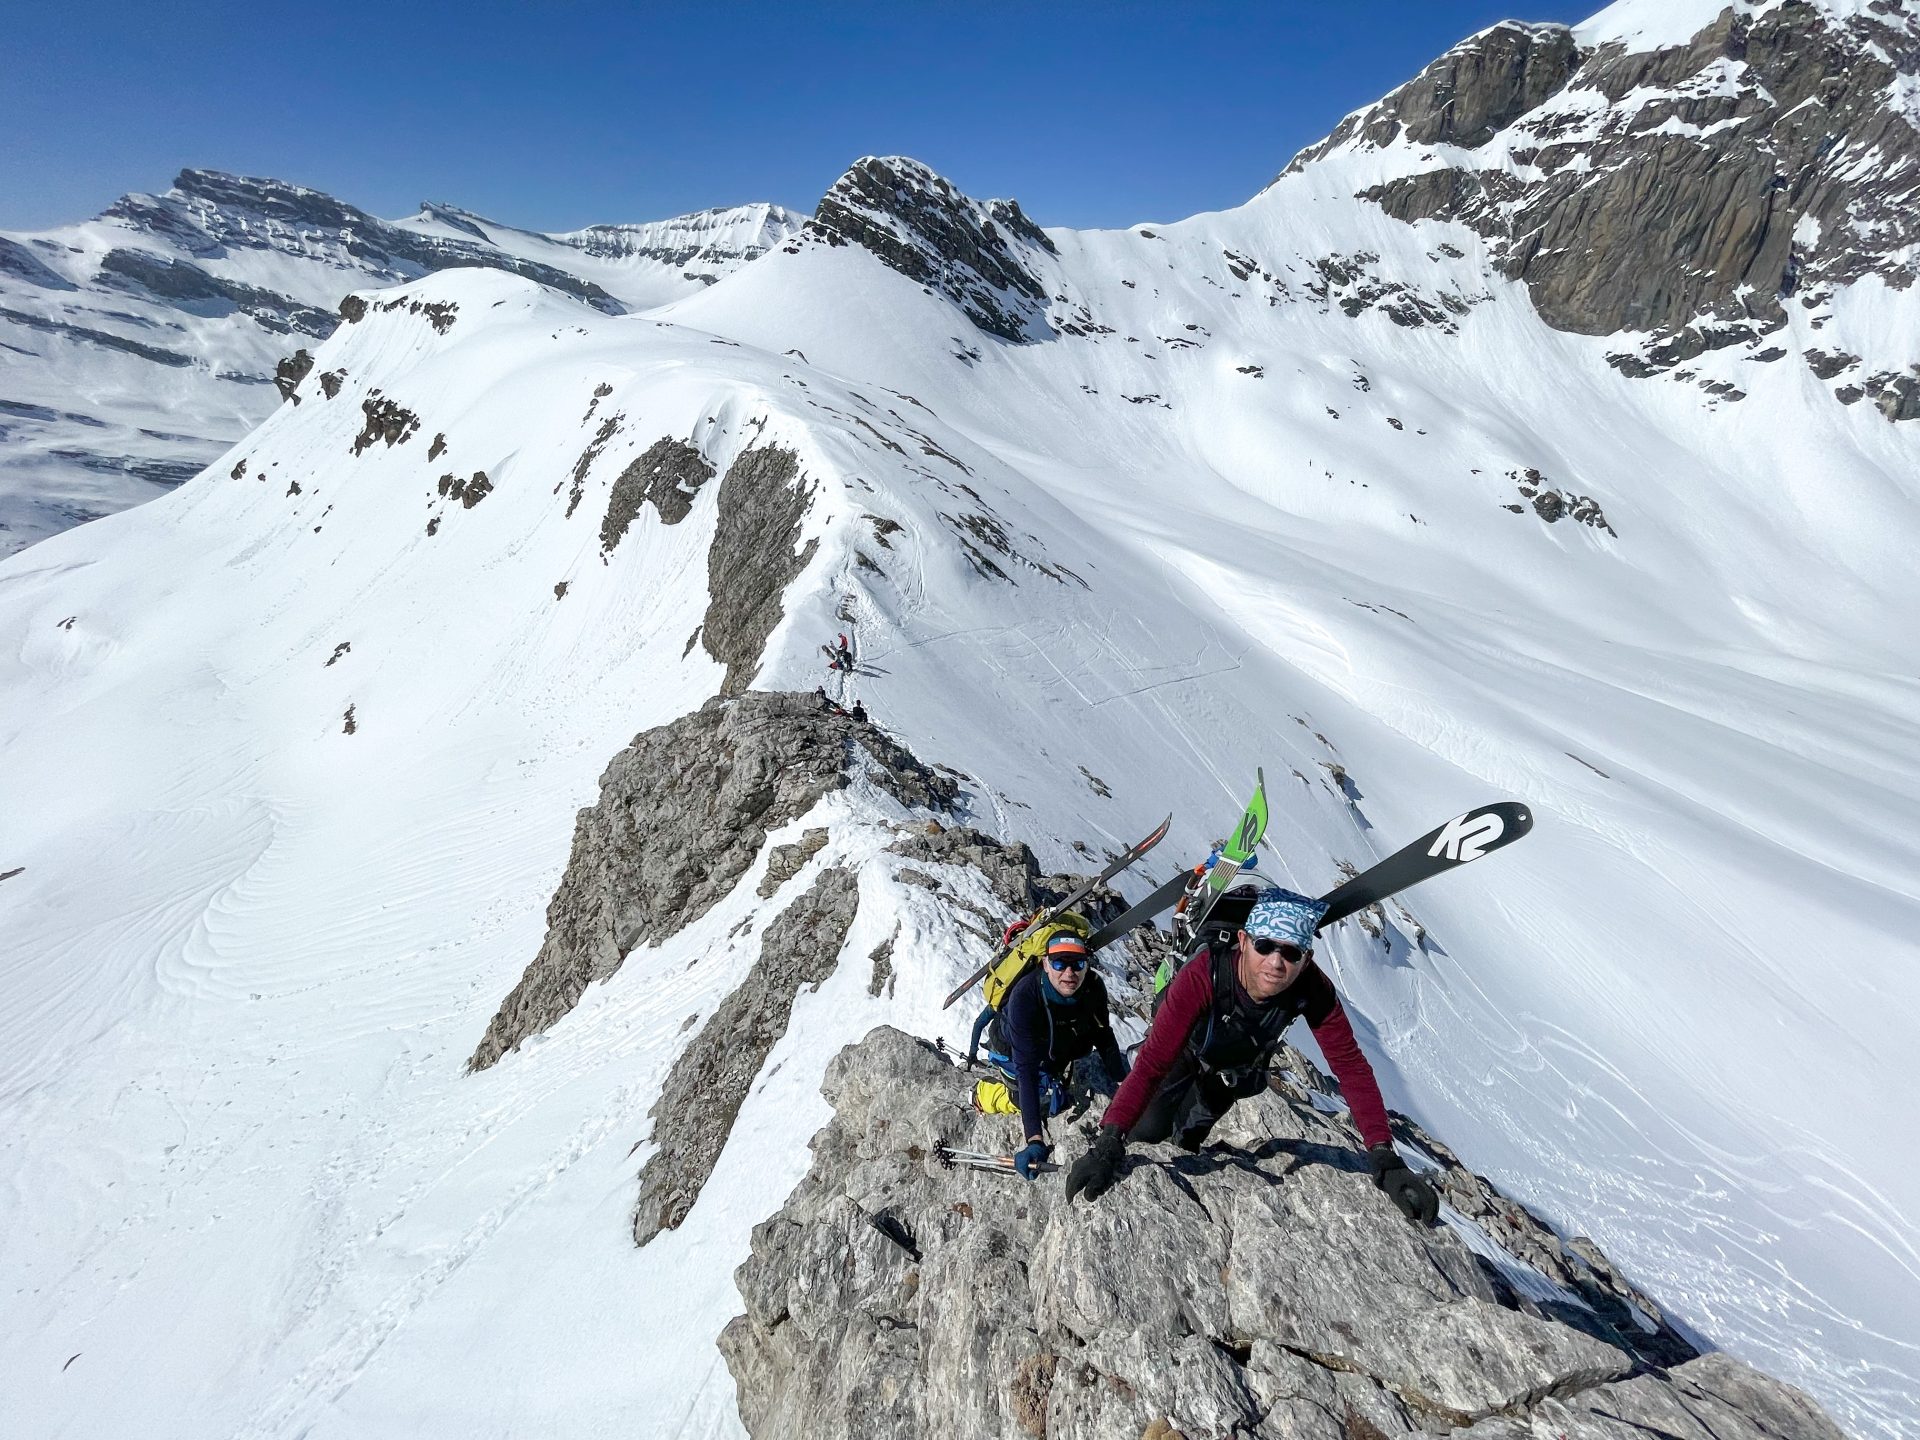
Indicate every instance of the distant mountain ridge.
{"type": "Point", "coordinates": [170, 312]}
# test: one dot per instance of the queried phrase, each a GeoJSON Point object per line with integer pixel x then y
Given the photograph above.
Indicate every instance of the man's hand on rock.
{"type": "Point", "coordinates": [1095, 1171]}
{"type": "Point", "coordinates": [1414, 1196]}
{"type": "Point", "coordinates": [1028, 1161]}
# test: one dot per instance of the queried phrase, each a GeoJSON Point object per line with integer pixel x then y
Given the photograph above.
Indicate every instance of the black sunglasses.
{"type": "Point", "coordinates": [1289, 952]}
{"type": "Point", "coordinates": [1079, 964]}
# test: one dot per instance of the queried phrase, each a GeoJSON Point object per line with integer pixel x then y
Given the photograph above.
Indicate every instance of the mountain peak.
{"type": "Point", "coordinates": [1677, 172]}
{"type": "Point", "coordinates": [1467, 96]}
{"type": "Point", "coordinates": [981, 254]}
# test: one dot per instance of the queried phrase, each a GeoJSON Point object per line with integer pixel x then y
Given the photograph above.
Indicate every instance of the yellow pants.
{"type": "Point", "coordinates": [992, 1097]}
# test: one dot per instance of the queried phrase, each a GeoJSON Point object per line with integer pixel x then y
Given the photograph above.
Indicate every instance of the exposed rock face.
{"type": "Point", "coordinates": [667, 476]}
{"type": "Point", "coordinates": [1691, 192]}
{"type": "Point", "coordinates": [753, 558]}
{"type": "Point", "coordinates": [187, 287]}
{"type": "Point", "coordinates": [388, 423]}
{"type": "Point", "coordinates": [682, 814]}
{"type": "Point", "coordinates": [708, 1083]}
{"type": "Point", "coordinates": [786, 861]}
{"type": "Point", "coordinates": [1475, 90]}
{"type": "Point", "coordinates": [980, 255]}
{"type": "Point", "coordinates": [1260, 1288]}
{"type": "Point", "coordinates": [288, 374]}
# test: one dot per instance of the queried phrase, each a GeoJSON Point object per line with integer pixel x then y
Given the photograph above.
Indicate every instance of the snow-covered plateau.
{"type": "Point", "coordinates": [291, 755]}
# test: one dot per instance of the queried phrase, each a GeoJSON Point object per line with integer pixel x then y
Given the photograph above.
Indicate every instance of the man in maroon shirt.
{"type": "Point", "coordinates": [1213, 1038]}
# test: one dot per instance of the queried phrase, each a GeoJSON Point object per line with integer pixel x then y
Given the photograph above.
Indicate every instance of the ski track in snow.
{"type": "Point", "coordinates": [243, 1174]}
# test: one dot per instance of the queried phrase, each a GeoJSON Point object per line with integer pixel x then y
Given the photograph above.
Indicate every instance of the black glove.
{"type": "Point", "coordinates": [1414, 1196]}
{"type": "Point", "coordinates": [1095, 1171]}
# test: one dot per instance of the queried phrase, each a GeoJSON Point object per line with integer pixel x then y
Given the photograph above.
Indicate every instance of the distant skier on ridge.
{"type": "Point", "coordinates": [1214, 1036]}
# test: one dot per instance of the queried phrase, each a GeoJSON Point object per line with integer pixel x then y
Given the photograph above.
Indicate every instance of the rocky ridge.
{"type": "Point", "coordinates": [683, 812]}
{"type": "Point", "coordinates": [1262, 1287]}
{"type": "Point", "coordinates": [1680, 197]}
{"type": "Point", "coordinates": [983, 255]}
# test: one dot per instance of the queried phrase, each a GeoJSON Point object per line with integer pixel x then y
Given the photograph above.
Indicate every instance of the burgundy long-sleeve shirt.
{"type": "Point", "coordinates": [1185, 1006]}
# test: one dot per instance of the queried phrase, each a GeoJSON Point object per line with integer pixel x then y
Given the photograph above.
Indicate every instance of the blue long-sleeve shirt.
{"type": "Point", "coordinates": [1047, 1031]}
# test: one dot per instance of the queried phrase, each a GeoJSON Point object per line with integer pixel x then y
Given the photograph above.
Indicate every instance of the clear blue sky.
{"type": "Point", "coordinates": [555, 115]}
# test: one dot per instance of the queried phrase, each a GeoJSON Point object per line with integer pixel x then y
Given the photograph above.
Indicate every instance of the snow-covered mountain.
{"type": "Point", "coordinates": [1329, 483]}
{"type": "Point", "coordinates": [136, 347]}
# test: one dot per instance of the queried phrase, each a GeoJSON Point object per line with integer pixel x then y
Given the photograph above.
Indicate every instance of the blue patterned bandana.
{"type": "Point", "coordinates": [1282, 915]}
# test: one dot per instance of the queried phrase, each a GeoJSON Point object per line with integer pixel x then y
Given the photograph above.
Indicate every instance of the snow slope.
{"type": "Point", "coordinates": [137, 346]}
{"type": "Point", "coordinates": [248, 1187]}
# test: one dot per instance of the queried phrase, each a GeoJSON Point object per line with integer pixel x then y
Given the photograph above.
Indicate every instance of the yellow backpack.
{"type": "Point", "coordinates": [1026, 953]}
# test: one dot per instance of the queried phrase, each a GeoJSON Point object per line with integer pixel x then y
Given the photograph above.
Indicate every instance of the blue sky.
{"type": "Point", "coordinates": [560, 114]}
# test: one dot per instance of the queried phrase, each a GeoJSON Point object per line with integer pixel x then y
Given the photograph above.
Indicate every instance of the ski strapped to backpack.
{"type": "Point", "coordinates": [1235, 854]}
{"type": "Point", "coordinates": [1054, 912]}
{"type": "Point", "coordinates": [1238, 852]}
{"type": "Point", "coordinates": [1460, 841]}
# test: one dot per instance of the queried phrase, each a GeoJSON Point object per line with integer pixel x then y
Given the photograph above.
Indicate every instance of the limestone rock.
{"type": "Point", "coordinates": [1688, 193]}
{"type": "Point", "coordinates": [667, 476]}
{"type": "Point", "coordinates": [756, 553]}
{"type": "Point", "coordinates": [1260, 1288]}
{"type": "Point", "coordinates": [291, 370]}
{"type": "Point", "coordinates": [981, 255]}
{"type": "Point", "coordinates": [710, 1080]}
{"type": "Point", "coordinates": [786, 861]}
{"type": "Point", "coordinates": [682, 814]}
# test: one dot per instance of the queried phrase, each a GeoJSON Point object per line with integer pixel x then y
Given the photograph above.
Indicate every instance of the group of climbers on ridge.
{"type": "Point", "coordinates": [1213, 1035]}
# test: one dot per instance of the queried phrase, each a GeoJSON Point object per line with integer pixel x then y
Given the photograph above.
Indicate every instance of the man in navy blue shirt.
{"type": "Point", "coordinates": [1053, 1015]}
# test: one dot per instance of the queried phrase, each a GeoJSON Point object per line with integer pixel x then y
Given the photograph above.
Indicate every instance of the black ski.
{"type": "Point", "coordinates": [1460, 841]}
{"type": "Point", "coordinates": [1126, 858]}
{"type": "Point", "coordinates": [1159, 900]}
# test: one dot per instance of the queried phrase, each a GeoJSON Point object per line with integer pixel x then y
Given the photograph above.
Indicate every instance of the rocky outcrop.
{"type": "Point", "coordinates": [982, 255]}
{"type": "Point", "coordinates": [1689, 193]}
{"type": "Point", "coordinates": [288, 374]}
{"type": "Point", "coordinates": [387, 422]}
{"type": "Point", "coordinates": [1260, 1288]}
{"type": "Point", "coordinates": [756, 553]}
{"type": "Point", "coordinates": [710, 1080]}
{"type": "Point", "coordinates": [668, 476]}
{"type": "Point", "coordinates": [682, 814]}
{"type": "Point", "coordinates": [185, 286]}
{"type": "Point", "coordinates": [1468, 95]}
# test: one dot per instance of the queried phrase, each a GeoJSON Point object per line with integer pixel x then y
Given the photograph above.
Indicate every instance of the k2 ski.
{"type": "Point", "coordinates": [1126, 858]}
{"type": "Point", "coordinates": [1237, 854]}
{"type": "Point", "coordinates": [1460, 841]}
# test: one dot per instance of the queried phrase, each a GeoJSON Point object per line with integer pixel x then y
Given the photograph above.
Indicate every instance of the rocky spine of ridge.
{"type": "Point", "coordinates": [1691, 193]}
{"type": "Point", "coordinates": [984, 256]}
{"type": "Point", "coordinates": [1260, 1288]}
{"type": "Point", "coordinates": [682, 814]}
